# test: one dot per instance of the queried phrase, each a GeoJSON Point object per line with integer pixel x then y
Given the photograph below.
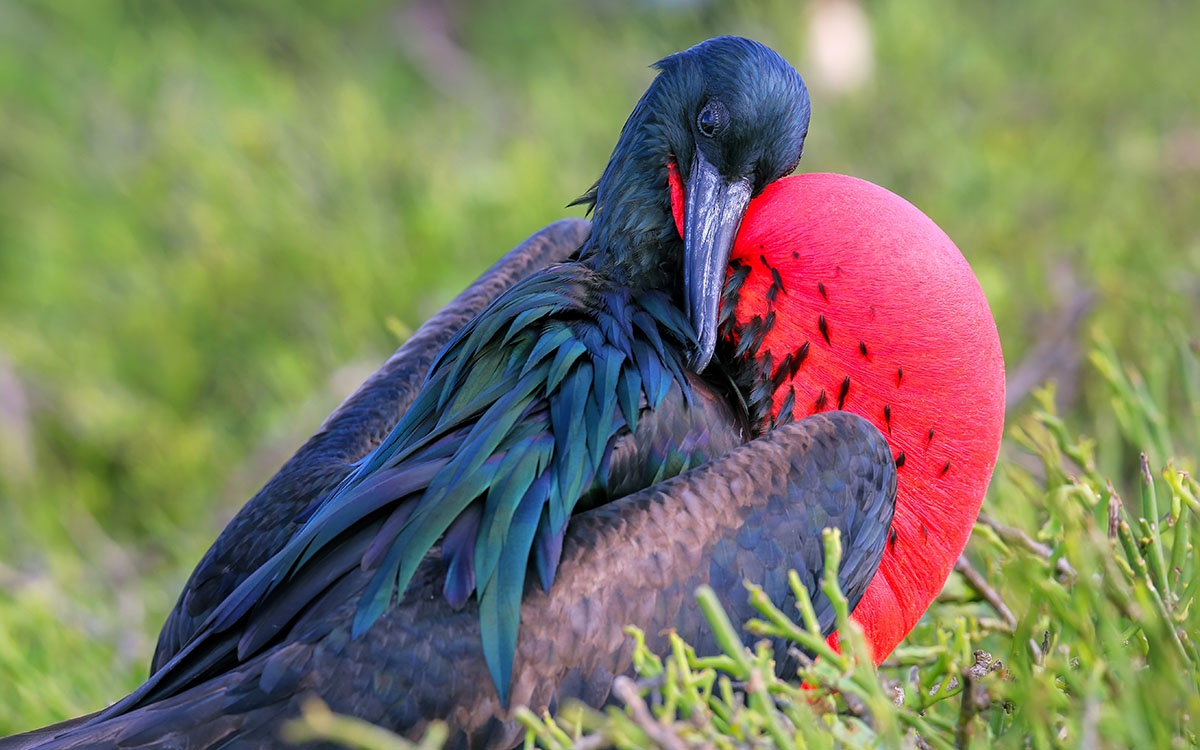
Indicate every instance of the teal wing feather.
{"type": "Point", "coordinates": [513, 429]}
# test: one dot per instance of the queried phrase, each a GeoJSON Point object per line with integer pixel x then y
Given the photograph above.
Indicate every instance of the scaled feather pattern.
{"type": "Point", "coordinates": [514, 429]}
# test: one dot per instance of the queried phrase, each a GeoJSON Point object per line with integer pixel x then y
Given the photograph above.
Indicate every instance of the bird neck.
{"type": "Point", "coordinates": [634, 240]}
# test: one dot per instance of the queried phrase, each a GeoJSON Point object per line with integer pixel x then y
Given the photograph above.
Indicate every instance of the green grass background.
{"type": "Point", "coordinates": [217, 217]}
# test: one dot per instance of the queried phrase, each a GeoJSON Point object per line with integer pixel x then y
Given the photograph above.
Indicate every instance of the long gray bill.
{"type": "Point", "coordinates": [713, 213]}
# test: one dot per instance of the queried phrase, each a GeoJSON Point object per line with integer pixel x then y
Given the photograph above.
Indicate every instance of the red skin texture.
{"type": "Point", "coordinates": [894, 282]}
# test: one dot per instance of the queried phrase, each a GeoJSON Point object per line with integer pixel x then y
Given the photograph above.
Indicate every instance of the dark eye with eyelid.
{"type": "Point", "coordinates": [712, 119]}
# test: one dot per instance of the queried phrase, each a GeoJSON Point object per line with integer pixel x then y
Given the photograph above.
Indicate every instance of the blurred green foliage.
{"type": "Point", "coordinates": [217, 217]}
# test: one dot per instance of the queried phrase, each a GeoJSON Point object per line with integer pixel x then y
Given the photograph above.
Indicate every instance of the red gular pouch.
{"type": "Point", "coordinates": [873, 310]}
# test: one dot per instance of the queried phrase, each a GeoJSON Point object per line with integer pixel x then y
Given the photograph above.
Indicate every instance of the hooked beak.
{"type": "Point", "coordinates": [714, 210]}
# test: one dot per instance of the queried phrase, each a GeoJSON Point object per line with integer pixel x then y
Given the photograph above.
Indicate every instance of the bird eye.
{"type": "Point", "coordinates": [712, 119]}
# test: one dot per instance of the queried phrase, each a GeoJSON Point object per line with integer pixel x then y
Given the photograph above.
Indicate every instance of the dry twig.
{"type": "Point", "coordinates": [626, 690]}
{"type": "Point", "coordinates": [1019, 538]}
{"type": "Point", "coordinates": [977, 582]}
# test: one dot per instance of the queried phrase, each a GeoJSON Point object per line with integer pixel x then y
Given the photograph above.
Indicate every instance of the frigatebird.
{"type": "Point", "coordinates": [834, 279]}
{"type": "Point", "coordinates": [576, 386]}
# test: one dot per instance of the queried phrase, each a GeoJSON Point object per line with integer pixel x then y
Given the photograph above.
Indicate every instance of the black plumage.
{"type": "Point", "coordinates": [517, 420]}
{"type": "Point", "coordinates": [272, 516]}
{"type": "Point", "coordinates": [633, 561]}
{"type": "Point", "coordinates": [399, 592]}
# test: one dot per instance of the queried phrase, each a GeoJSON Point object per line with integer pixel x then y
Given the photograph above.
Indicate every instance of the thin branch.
{"type": "Point", "coordinates": [591, 742]}
{"type": "Point", "coordinates": [626, 690]}
{"type": "Point", "coordinates": [1056, 354]}
{"type": "Point", "coordinates": [975, 697]}
{"type": "Point", "coordinates": [977, 582]}
{"type": "Point", "coordinates": [1019, 538]}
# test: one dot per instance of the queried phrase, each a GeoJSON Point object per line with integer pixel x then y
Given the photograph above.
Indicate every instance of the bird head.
{"type": "Point", "coordinates": [721, 121]}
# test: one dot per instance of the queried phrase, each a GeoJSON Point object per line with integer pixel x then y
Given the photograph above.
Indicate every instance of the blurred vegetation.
{"type": "Point", "coordinates": [216, 218]}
